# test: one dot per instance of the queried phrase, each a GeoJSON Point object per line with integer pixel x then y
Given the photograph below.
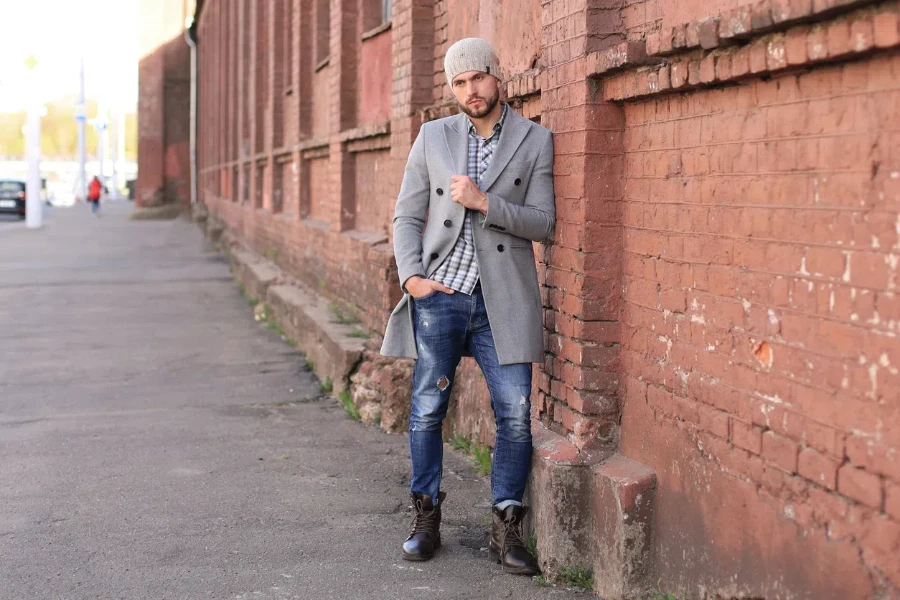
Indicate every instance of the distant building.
{"type": "Point", "coordinates": [163, 104]}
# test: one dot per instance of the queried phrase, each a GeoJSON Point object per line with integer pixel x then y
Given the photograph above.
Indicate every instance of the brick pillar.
{"type": "Point", "coordinates": [579, 395]}
{"type": "Point", "coordinates": [591, 503]}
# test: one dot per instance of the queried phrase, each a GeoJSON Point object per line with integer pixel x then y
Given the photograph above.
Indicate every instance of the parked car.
{"type": "Point", "coordinates": [12, 197]}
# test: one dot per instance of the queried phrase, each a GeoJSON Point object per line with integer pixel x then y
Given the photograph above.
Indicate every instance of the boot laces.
{"type": "Point", "coordinates": [513, 534]}
{"type": "Point", "coordinates": [424, 521]}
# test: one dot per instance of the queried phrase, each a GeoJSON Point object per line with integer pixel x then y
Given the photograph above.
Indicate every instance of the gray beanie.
{"type": "Point", "coordinates": [470, 54]}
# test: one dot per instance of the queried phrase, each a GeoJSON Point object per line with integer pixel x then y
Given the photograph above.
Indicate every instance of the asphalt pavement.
{"type": "Point", "coordinates": [157, 442]}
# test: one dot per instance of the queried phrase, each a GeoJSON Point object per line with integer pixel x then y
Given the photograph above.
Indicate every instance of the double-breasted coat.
{"type": "Point", "coordinates": [521, 210]}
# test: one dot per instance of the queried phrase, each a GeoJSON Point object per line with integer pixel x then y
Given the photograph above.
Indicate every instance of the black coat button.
{"type": "Point", "coordinates": [434, 255]}
{"type": "Point", "coordinates": [440, 192]}
{"type": "Point", "coordinates": [518, 181]}
{"type": "Point", "coordinates": [500, 248]}
{"type": "Point", "coordinates": [448, 223]}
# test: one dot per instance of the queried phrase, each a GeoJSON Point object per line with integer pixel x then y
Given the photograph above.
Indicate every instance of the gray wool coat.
{"type": "Point", "coordinates": [521, 209]}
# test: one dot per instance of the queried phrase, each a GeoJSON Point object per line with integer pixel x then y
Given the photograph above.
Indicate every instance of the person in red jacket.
{"type": "Point", "coordinates": [94, 190]}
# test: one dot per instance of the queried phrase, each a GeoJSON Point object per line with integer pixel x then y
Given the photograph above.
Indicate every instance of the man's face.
{"type": "Point", "coordinates": [477, 93]}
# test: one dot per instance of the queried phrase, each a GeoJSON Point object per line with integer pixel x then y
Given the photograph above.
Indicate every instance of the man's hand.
{"type": "Point", "coordinates": [419, 287]}
{"type": "Point", "coordinates": [464, 191]}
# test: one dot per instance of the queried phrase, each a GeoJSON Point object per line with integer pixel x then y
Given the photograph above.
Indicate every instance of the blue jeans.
{"type": "Point", "coordinates": [444, 325]}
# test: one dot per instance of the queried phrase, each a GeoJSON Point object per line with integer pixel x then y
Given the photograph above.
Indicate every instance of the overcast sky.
{"type": "Point", "coordinates": [58, 33]}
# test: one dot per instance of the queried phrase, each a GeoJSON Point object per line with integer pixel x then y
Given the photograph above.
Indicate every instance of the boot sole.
{"type": "Point", "coordinates": [495, 557]}
{"type": "Point", "coordinates": [423, 558]}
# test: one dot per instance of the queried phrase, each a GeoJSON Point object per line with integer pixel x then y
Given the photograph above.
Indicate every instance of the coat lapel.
{"type": "Point", "coordinates": [456, 136]}
{"type": "Point", "coordinates": [515, 128]}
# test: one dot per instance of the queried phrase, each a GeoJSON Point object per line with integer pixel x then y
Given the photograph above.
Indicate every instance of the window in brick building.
{"type": "Point", "coordinates": [323, 30]}
{"type": "Point", "coordinates": [278, 187]}
{"type": "Point", "coordinates": [376, 14]}
{"type": "Point", "coordinates": [288, 69]}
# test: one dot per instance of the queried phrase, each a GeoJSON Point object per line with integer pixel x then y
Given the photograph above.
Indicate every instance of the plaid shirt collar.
{"type": "Point", "coordinates": [497, 126]}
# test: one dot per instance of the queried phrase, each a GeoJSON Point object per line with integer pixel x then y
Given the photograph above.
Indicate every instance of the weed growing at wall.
{"type": "Point", "coordinates": [579, 577]}
{"type": "Point", "coordinates": [658, 595]}
{"type": "Point", "coordinates": [341, 316]}
{"type": "Point", "coordinates": [347, 402]}
{"type": "Point", "coordinates": [480, 454]}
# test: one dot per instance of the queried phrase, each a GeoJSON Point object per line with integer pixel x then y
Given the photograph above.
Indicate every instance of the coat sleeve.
{"type": "Point", "coordinates": [535, 218]}
{"type": "Point", "coordinates": [409, 214]}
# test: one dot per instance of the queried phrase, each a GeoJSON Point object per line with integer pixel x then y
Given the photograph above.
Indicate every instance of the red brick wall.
{"type": "Point", "coordinates": [720, 296]}
{"type": "Point", "coordinates": [760, 312]}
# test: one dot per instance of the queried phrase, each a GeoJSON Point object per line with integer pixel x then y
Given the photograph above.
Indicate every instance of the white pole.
{"type": "Point", "coordinates": [120, 144]}
{"type": "Point", "coordinates": [33, 208]}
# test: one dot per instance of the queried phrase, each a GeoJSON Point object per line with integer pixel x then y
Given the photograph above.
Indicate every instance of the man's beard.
{"type": "Point", "coordinates": [489, 104]}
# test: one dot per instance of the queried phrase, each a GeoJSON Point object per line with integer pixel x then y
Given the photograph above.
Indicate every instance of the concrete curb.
{"type": "Point", "coordinates": [304, 317]}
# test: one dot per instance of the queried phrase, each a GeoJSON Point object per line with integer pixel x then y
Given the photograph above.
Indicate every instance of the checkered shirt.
{"type": "Point", "coordinates": [460, 269]}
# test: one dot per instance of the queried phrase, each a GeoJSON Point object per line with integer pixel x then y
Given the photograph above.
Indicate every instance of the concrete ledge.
{"type": "Point", "coordinates": [253, 272]}
{"type": "Point", "coordinates": [199, 213]}
{"type": "Point", "coordinates": [592, 512]}
{"type": "Point", "coordinates": [304, 316]}
{"type": "Point", "coordinates": [624, 493]}
{"type": "Point", "coordinates": [560, 494]}
{"type": "Point", "coordinates": [214, 230]}
{"type": "Point", "coordinates": [306, 319]}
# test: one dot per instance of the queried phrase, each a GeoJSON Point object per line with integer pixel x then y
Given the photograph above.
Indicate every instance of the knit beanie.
{"type": "Point", "coordinates": [470, 54]}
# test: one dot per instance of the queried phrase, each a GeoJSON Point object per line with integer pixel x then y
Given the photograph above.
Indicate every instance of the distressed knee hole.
{"type": "Point", "coordinates": [443, 383]}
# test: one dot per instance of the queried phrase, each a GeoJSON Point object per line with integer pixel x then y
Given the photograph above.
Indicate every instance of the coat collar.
{"type": "Point", "coordinates": [456, 132]}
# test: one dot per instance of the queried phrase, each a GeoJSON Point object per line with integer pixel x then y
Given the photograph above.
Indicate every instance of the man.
{"type": "Point", "coordinates": [484, 178]}
{"type": "Point", "coordinates": [95, 189]}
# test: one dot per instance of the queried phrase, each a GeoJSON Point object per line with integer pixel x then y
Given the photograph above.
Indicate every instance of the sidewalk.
{"type": "Point", "coordinates": [157, 442]}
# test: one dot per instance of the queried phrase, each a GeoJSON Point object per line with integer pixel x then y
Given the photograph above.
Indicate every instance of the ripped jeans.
{"type": "Point", "coordinates": [444, 325]}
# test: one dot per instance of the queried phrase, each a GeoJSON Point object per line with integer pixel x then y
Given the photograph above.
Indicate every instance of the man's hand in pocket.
{"type": "Point", "coordinates": [419, 287]}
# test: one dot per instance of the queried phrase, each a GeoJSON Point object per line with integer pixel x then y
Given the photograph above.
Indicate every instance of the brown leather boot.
{"type": "Point", "coordinates": [425, 530]}
{"type": "Point", "coordinates": [508, 541]}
